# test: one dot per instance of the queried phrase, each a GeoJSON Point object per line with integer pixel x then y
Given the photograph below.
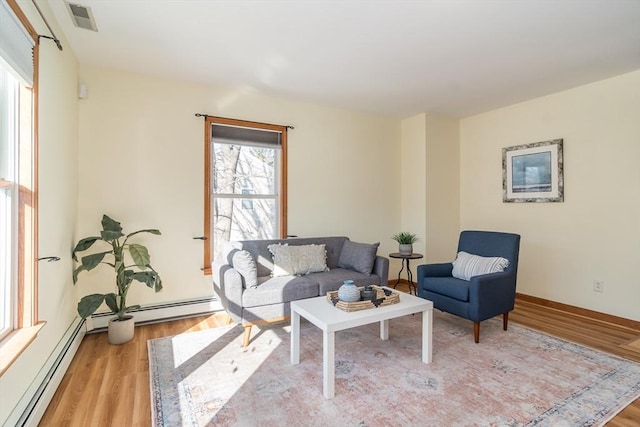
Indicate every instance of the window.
{"type": "Point", "coordinates": [245, 182]}
{"type": "Point", "coordinates": [18, 205]}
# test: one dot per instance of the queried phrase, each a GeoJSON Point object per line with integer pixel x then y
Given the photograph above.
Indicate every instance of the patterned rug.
{"type": "Point", "coordinates": [515, 378]}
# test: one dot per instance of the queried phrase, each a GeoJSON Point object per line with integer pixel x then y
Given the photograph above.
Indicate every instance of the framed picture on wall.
{"type": "Point", "coordinates": [532, 173]}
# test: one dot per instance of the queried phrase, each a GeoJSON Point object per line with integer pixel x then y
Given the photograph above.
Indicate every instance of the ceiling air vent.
{"type": "Point", "coordinates": [81, 16]}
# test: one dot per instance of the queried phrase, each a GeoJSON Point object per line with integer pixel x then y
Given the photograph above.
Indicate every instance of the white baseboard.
{"type": "Point", "coordinates": [160, 312]}
{"type": "Point", "coordinates": [34, 402]}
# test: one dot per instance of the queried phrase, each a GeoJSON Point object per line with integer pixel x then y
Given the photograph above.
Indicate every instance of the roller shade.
{"type": "Point", "coordinates": [16, 45]}
{"type": "Point", "coordinates": [245, 136]}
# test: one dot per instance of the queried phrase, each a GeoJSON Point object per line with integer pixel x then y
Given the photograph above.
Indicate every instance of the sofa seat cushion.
{"type": "Point", "coordinates": [448, 286]}
{"type": "Point", "coordinates": [332, 280]}
{"type": "Point", "coordinates": [281, 289]}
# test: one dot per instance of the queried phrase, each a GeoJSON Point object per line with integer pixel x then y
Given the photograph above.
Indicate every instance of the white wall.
{"type": "Point", "coordinates": [141, 162]}
{"type": "Point", "coordinates": [58, 177]}
{"type": "Point", "coordinates": [595, 233]}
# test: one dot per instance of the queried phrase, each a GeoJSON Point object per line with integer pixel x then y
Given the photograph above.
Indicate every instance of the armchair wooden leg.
{"type": "Point", "coordinates": [229, 320]}
{"type": "Point", "coordinates": [505, 320]}
{"type": "Point", "coordinates": [476, 332]}
{"type": "Point", "coordinates": [247, 335]}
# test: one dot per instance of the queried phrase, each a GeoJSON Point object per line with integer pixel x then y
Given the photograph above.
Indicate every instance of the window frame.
{"type": "Point", "coordinates": [26, 322]}
{"type": "Point", "coordinates": [208, 191]}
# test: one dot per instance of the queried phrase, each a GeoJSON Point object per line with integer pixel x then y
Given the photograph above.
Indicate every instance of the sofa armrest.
{"type": "Point", "coordinates": [381, 269]}
{"type": "Point", "coordinates": [227, 284]}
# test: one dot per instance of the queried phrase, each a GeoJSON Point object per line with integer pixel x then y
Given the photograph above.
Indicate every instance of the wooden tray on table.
{"type": "Point", "coordinates": [385, 297]}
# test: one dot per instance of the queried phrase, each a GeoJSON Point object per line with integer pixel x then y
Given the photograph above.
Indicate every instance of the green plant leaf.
{"type": "Point", "coordinates": [140, 255]}
{"type": "Point", "coordinates": [89, 304]}
{"type": "Point", "coordinates": [149, 230]}
{"type": "Point", "coordinates": [158, 285]}
{"type": "Point", "coordinates": [158, 282]}
{"type": "Point", "coordinates": [76, 272]}
{"type": "Point", "coordinates": [405, 238]}
{"type": "Point", "coordinates": [83, 245]}
{"type": "Point", "coordinates": [111, 229]}
{"type": "Point", "coordinates": [110, 224]}
{"type": "Point", "coordinates": [90, 262]}
{"type": "Point", "coordinates": [133, 307]}
{"type": "Point", "coordinates": [110, 236]}
{"type": "Point", "coordinates": [146, 277]}
{"type": "Point", "coordinates": [110, 299]}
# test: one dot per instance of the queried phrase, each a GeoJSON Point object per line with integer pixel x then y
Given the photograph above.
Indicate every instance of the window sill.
{"type": "Point", "coordinates": [15, 343]}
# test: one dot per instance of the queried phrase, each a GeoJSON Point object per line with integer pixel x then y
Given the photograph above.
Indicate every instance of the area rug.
{"type": "Point", "coordinates": [515, 378]}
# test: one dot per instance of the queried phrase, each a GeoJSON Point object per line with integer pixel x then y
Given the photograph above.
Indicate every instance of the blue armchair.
{"type": "Point", "coordinates": [482, 297]}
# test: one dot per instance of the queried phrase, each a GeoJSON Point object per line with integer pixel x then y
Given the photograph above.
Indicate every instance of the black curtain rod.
{"type": "Point", "coordinates": [205, 116]}
{"type": "Point", "coordinates": [54, 38]}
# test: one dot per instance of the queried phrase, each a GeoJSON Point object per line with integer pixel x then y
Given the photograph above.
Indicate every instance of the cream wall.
{"type": "Point", "coordinates": [141, 161]}
{"type": "Point", "coordinates": [595, 233]}
{"type": "Point", "coordinates": [413, 172]}
{"type": "Point", "coordinates": [58, 191]}
{"type": "Point", "coordinates": [442, 190]}
{"type": "Point", "coordinates": [430, 181]}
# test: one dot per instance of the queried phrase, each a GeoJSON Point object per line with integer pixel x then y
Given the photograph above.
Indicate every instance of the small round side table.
{"type": "Point", "coordinates": [405, 261]}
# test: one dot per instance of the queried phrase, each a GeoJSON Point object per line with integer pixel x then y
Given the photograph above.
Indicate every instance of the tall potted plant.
{"type": "Point", "coordinates": [405, 242]}
{"type": "Point", "coordinates": [135, 267]}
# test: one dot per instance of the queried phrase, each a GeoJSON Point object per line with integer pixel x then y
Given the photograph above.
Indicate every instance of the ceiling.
{"type": "Point", "coordinates": [398, 58]}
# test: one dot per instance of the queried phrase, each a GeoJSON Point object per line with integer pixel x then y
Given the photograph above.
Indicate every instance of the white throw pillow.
{"type": "Point", "coordinates": [467, 265]}
{"type": "Point", "coordinates": [298, 260]}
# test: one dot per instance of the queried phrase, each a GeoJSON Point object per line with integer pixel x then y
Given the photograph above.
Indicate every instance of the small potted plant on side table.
{"type": "Point", "coordinates": [405, 242]}
{"type": "Point", "coordinates": [121, 327]}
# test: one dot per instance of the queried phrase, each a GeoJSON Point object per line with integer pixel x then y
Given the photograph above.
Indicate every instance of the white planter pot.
{"type": "Point", "coordinates": [406, 249]}
{"type": "Point", "coordinates": [121, 331]}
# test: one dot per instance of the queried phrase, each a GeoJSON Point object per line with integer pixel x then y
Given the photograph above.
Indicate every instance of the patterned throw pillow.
{"type": "Point", "coordinates": [298, 260]}
{"type": "Point", "coordinates": [467, 265]}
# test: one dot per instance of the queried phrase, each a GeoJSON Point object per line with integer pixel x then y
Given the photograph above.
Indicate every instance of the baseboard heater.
{"type": "Point", "coordinates": [33, 404]}
{"type": "Point", "coordinates": [160, 313]}
{"type": "Point", "coordinates": [31, 407]}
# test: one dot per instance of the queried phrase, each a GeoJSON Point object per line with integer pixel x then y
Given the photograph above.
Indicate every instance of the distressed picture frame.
{"type": "Point", "coordinates": [533, 173]}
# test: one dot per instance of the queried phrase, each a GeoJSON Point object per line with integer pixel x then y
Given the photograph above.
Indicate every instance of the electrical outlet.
{"type": "Point", "coordinates": [598, 286]}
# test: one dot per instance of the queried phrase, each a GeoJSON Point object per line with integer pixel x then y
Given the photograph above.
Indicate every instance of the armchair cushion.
{"type": "Point", "coordinates": [450, 287]}
{"type": "Point", "coordinates": [467, 265]}
{"type": "Point", "coordinates": [358, 256]}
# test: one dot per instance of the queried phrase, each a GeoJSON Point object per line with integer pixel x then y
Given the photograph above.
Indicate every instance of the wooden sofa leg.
{"type": "Point", "coordinates": [505, 320]}
{"type": "Point", "coordinates": [476, 332]}
{"type": "Point", "coordinates": [229, 320]}
{"type": "Point", "coordinates": [247, 335]}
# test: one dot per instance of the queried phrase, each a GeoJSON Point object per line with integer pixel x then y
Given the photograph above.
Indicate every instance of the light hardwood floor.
{"type": "Point", "coordinates": [108, 385]}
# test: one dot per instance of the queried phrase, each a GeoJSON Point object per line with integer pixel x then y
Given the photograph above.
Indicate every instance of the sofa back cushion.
{"type": "Point", "coordinates": [492, 244]}
{"type": "Point", "coordinates": [243, 262]}
{"type": "Point", "coordinates": [359, 257]}
{"type": "Point", "coordinates": [259, 249]}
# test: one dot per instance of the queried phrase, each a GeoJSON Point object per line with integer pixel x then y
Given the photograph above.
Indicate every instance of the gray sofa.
{"type": "Point", "coordinates": [243, 277]}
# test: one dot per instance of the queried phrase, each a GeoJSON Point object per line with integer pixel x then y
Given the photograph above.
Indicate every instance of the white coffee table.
{"type": "Point", "coordinates": [330, 319]}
